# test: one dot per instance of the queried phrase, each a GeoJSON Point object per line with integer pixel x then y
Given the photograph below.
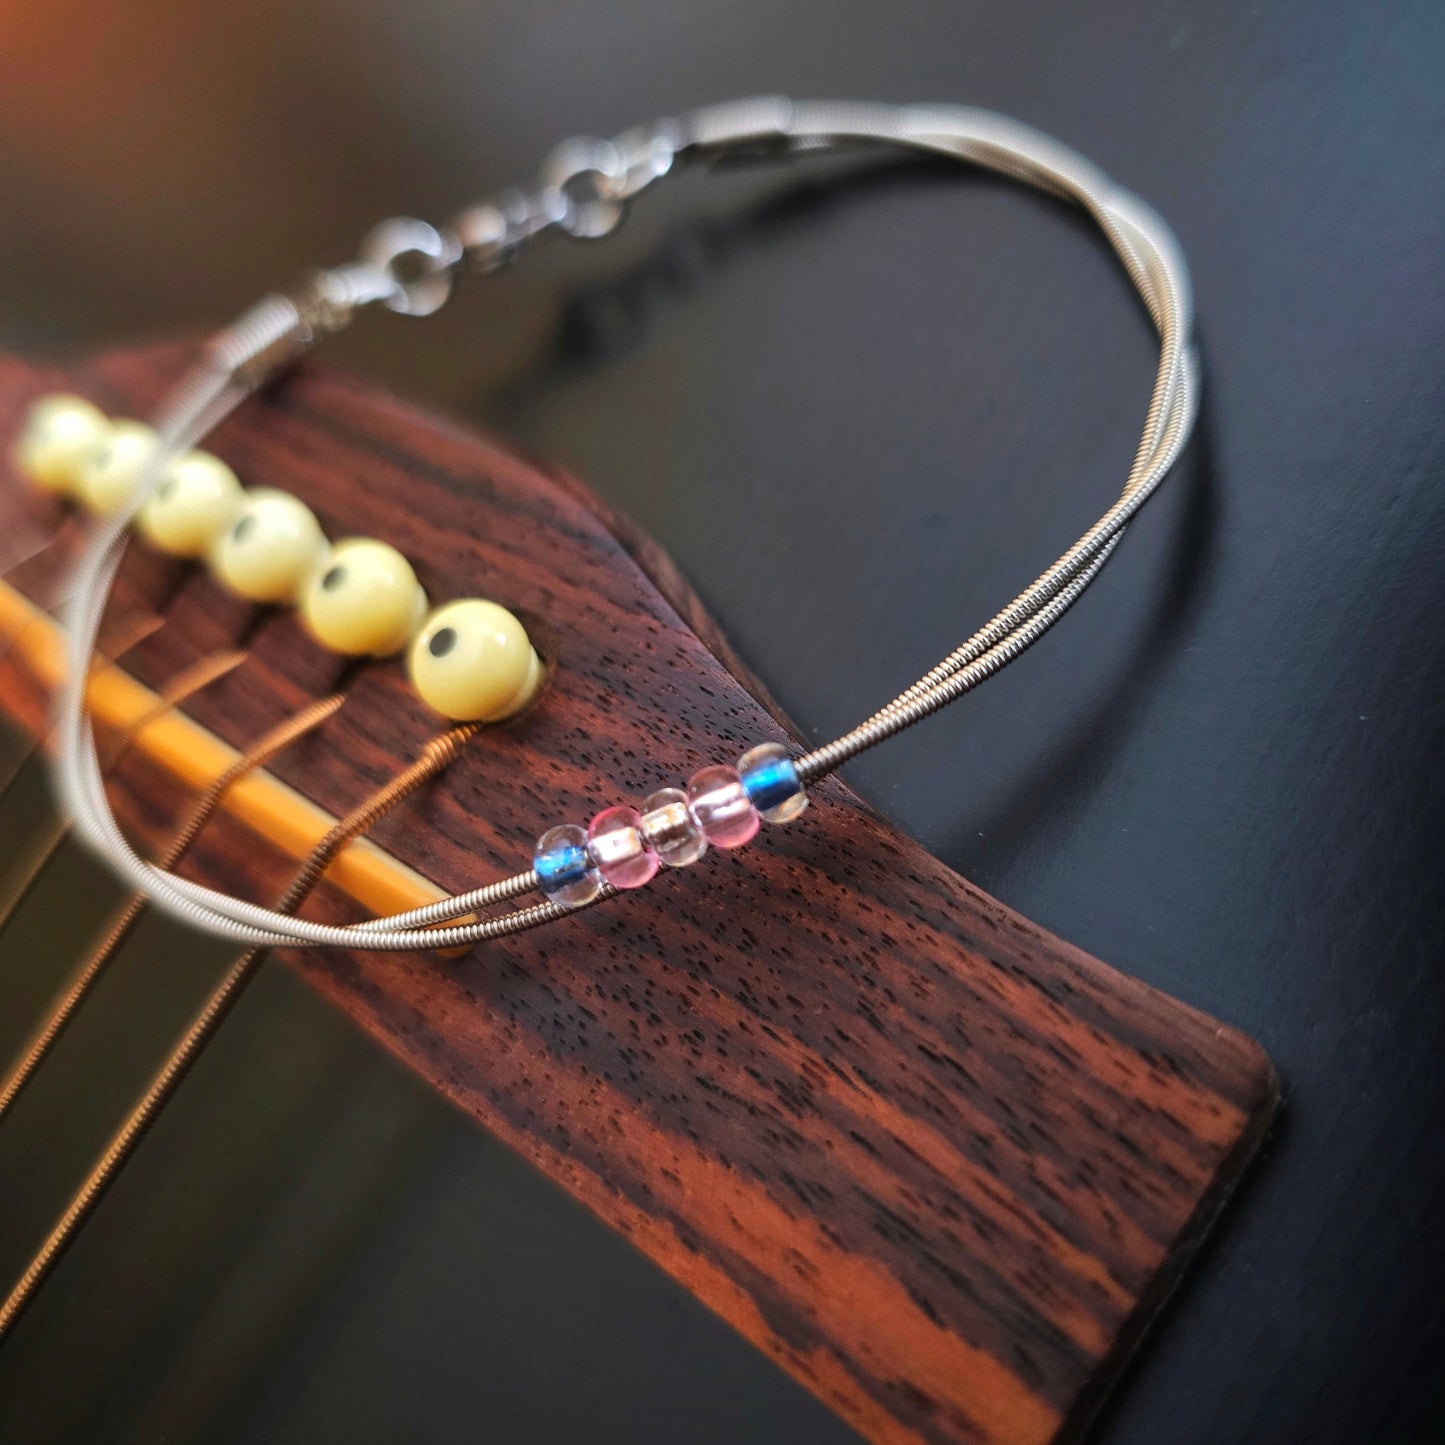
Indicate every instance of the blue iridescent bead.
{"type": "Point", "coordinates": [770, 778]}
{"type": "Point", "coordinates": [565, 870]}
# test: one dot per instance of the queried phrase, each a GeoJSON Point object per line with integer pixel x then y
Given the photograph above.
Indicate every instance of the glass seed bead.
{"type": "Point", "coordinates": [722, 807]}
{"type": "Point", "coordinates": [770, 777]}
{"type": "Point", "coordinates": [564, 868]}
{"type": "Point", "coordinates": [671, 830]}
{"type": "Point", "coordinates": [618, 848]}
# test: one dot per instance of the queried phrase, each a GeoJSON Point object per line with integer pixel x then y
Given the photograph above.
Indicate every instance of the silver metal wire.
{"type": "Point", "coordinates": [587, 187]}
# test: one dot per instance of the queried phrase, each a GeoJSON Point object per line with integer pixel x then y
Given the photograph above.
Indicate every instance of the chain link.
{"type": "Point", "coordinates": [585, 186]}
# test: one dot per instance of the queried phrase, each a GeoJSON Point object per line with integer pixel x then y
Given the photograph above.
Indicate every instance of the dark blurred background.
{"type": "Point", "coordinates": [861, 403]}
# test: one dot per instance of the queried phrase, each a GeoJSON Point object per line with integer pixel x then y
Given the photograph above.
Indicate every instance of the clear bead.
{"type": "Point", "coordinates": [564, 868]}
{"type": "Point", "coordinates": [618, 848]}
{"type": "Point", "coordinates": [671, 830]}
{"type": "Point", "coordinates": [722, 807]}
{"type": "Point", "coordinates": [770, 777]}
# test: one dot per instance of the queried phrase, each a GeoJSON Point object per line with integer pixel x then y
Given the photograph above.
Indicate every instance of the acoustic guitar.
{"type": "Point", "coordinates": [939, 1166]}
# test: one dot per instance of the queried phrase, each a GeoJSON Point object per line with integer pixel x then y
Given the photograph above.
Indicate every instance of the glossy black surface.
{"type": "Point", "coordinates": [861, 405]}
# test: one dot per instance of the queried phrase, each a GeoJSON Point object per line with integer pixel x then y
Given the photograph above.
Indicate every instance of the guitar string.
{"type": "Point", "coordinates": [261, 754]}
{"type": "Point", "coordinates": [433, 759]}
{"type": "Point", "coordinates": [126, 632]}
{"type": "Point", "coordinates": [13, 564]}
{"type": "Point", "coordinates": [64, 534]}
{"type": "Point", "coordinates": [173, 694]}
{"type": "Point", "coordinates": [181, 688]}
{"type": "Point", "coordinates": [124, 638]}
{"type": "Point", "coordinates": [14, 638]}
{"type": "Point", "coordinates": [281, 327]}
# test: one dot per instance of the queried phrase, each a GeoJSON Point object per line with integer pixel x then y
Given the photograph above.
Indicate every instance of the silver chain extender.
{"type": "Point", "coordinates": [410, 267]}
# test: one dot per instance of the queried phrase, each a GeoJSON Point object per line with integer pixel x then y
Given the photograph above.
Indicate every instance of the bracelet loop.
{"type": "Point", "coordinates": [409, 266]}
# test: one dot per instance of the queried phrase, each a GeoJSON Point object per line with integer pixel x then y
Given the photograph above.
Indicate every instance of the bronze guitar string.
{"type": "Point", "coordinates": [90, 972]}
{"type": "Point", "coordinates": [181, 688]}
{"type": "Point", "coordinates": [433, 759]}
{"type": "Point", "coordinates": [126, 634]}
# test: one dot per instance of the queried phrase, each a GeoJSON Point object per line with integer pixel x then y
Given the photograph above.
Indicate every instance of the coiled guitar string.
{"type": "Point", "coordinates": [433, 759]}
{"type": "Point", "coordinates": [81, 983]}
{"type": "Point", "coordinates": [178, 691]}
{"type": "Point", "coordinates": [408, 266]}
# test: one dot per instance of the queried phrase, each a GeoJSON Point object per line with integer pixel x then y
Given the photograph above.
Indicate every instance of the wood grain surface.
{"type": "Point", "coordinates": [938, 1164]}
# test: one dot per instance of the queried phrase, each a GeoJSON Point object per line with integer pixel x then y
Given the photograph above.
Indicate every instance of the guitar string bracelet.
{"type": "Point", "coordinates": [409, 267]}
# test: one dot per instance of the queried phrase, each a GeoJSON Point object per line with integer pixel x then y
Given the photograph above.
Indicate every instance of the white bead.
{"type": "Point", "coordinates": [60, 436]}
{"type": "Point", "coordinates": [473, 662]}
{"type": "Point", "coordinates": [108, 479]}
{"type": "Point", "coordinates": [197, 499]}
{"type": "Point", "coordinates": [364, 600]}
{"type": "Point", "coordinates": [272, 549]}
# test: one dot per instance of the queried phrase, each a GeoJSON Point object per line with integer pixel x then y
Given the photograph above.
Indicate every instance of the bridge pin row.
{"type": "Point", "coordinates": [470, 660]}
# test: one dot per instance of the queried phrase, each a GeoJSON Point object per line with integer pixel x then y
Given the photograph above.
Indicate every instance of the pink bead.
{"type": "Point", "coordinates": [617, 847]}
{"type": "Point", "coordinates": [722, 807]}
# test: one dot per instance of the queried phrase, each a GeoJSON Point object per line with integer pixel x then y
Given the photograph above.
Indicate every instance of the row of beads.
{"type": "Point", "coordinates": [722, 807]}
{"type": "Point", "coordinates": [470, 660]}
